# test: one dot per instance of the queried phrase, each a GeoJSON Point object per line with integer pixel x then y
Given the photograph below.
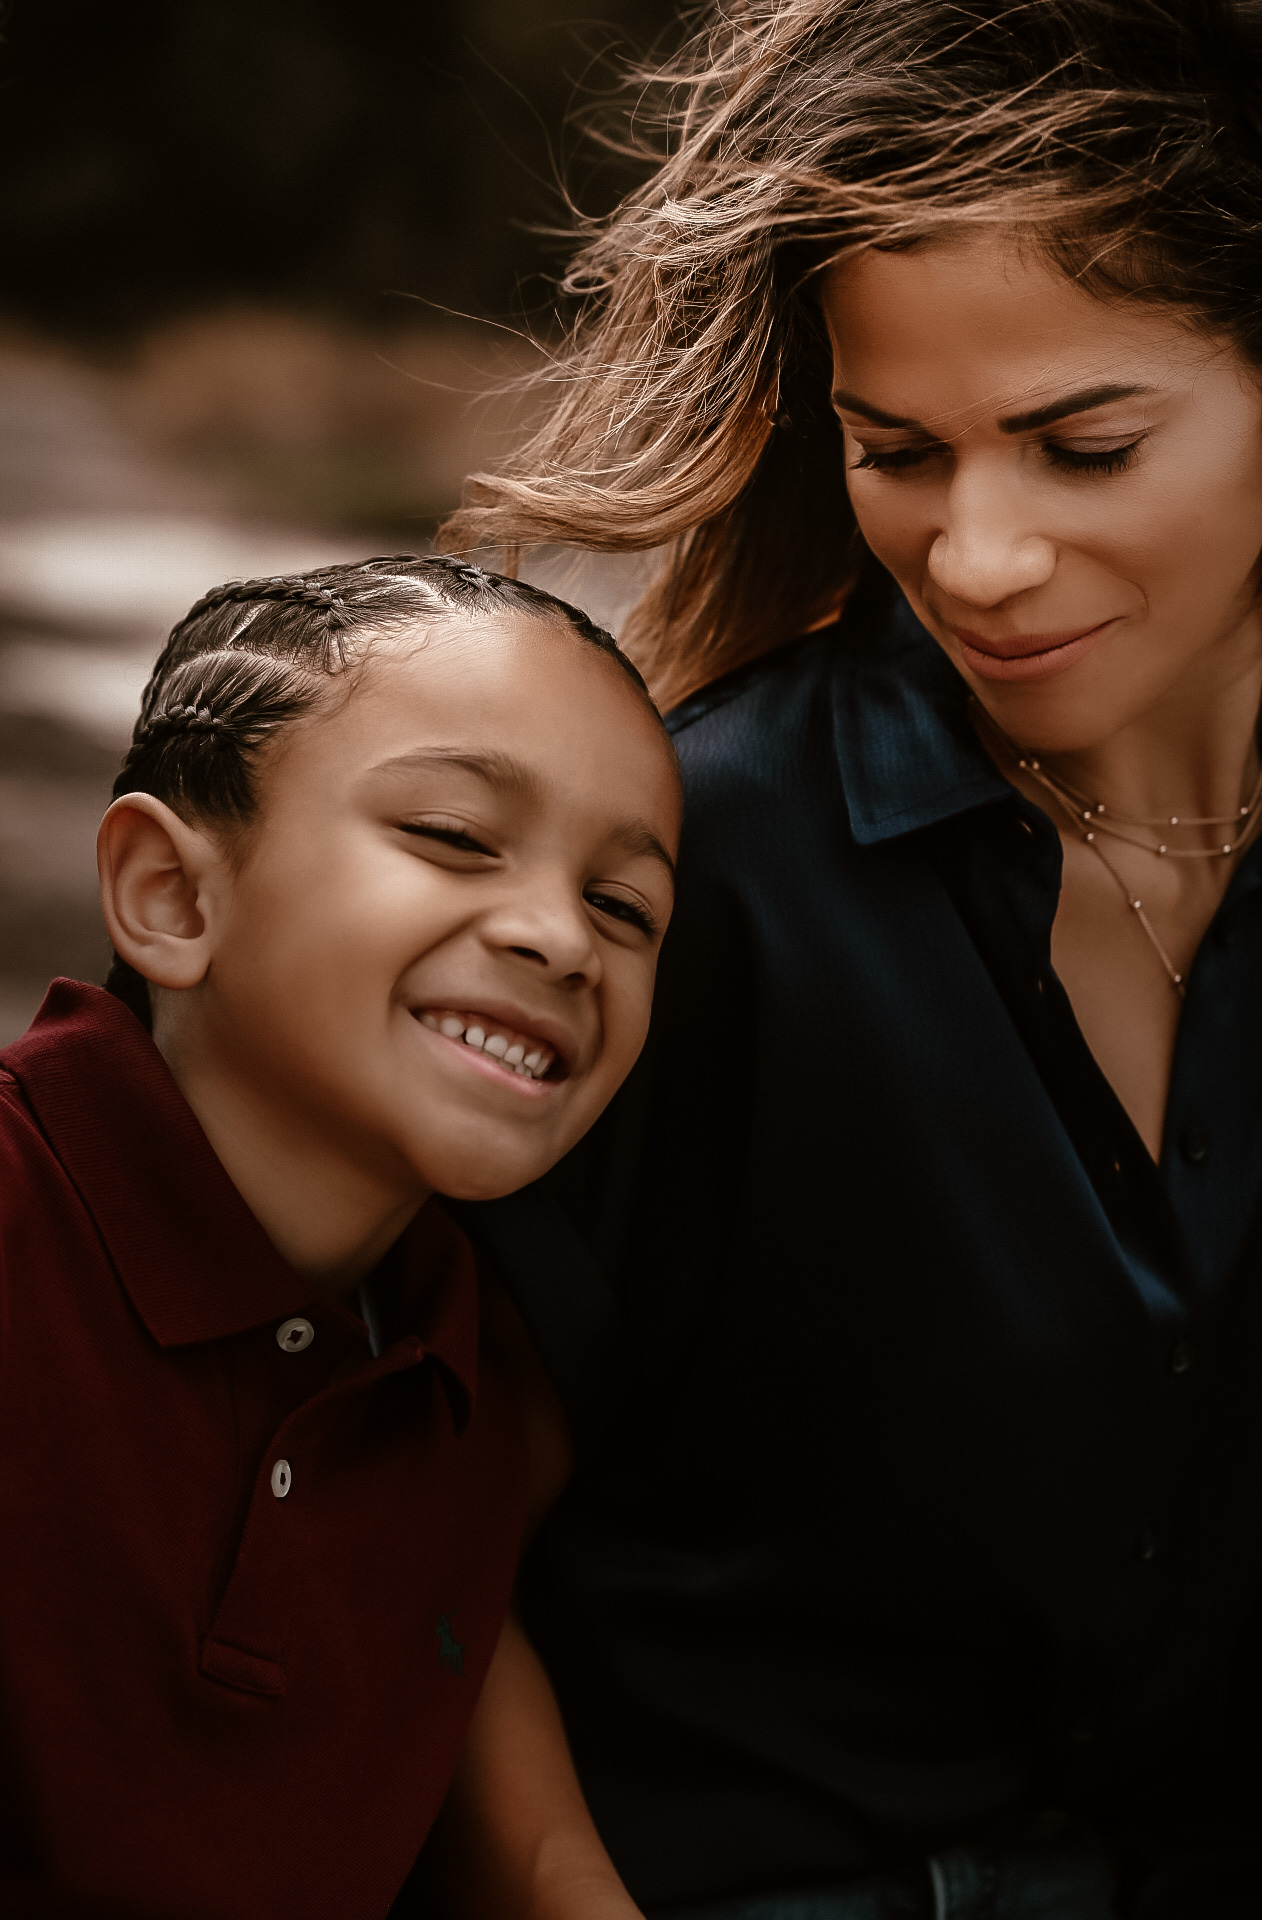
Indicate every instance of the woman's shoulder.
{"type": "Point", "coordinates": [735, 704]}
{"type": "Point", "coordinates": [760, 734]}
{"type": "Point", "coordinates": [768, 729]}
{"type": "Point", "coordinates": [765, 705]}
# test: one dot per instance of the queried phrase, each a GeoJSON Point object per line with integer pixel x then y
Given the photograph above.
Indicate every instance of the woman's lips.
{"type": "Point", "coordinates": [1026, 656]}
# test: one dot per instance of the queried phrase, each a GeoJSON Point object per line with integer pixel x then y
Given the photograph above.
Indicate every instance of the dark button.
{"type": "Point", "coordinates": [1082, 1733]}
{"type": "Point", "coordinates": [1193, 1145]}
{"type": "Point", "coordinates": [1180, 1357]}
{"type": "Point", "coordinates": [1148, 1545]}
{"type": "Point", "coordinates": [1223, 935]}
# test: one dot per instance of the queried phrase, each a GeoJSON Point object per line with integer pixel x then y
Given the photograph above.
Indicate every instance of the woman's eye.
{"type": "Point", "coordinates": [630, 912]}
{"type": "Point", "coordinates": [1093, 459]}
{"type": "Point", "coordinates": [457, 838]}
{"type": "Point", "coordinates": [893, 459]}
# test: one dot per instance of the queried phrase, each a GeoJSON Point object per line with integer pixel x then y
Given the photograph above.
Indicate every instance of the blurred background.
{"type": "Point", "coordinates": [265, 269]}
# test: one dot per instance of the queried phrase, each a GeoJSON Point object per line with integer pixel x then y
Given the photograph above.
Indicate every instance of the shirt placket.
{"type": "Point", "coordinates": [247, 1644]}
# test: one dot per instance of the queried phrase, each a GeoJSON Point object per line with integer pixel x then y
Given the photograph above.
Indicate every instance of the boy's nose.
{"type": "Point", "coordinates": [551, 931]}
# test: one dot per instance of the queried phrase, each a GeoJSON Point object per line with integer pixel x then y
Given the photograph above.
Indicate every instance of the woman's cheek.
{"type": "Point", "coordinates": [897, 533]}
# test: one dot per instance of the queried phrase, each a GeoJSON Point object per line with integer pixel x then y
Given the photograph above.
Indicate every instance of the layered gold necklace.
{"type": "Point", "coordinates": [1093, 821]}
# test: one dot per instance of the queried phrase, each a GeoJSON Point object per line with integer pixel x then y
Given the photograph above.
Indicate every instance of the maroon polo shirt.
{"type": "Point", "coordinates": [251, 1576]}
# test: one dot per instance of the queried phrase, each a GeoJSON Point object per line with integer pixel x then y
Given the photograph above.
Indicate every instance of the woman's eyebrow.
{"type": "Point", "coordinates": [877, 415]}
{"type": "Point", "coordinates": [1072, 403]}
{"type": "Point", "coordinates": [1080, 402]}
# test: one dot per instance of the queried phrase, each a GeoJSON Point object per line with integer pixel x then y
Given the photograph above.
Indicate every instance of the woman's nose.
{"type": "Point", "coordinates": [986, 551]}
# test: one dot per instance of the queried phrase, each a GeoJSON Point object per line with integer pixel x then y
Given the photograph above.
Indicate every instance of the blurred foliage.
{"type": "Point", "coordinates": [337, 155]}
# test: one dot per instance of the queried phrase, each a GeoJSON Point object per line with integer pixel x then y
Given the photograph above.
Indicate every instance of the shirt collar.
{"type": "Point", "coordinates": [193, 1259]}
{"type": "Point", "coordinates": [907, 753]}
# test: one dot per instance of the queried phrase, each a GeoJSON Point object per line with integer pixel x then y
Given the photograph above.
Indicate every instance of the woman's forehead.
{"type": "Point", "coordinates": [978, 323]}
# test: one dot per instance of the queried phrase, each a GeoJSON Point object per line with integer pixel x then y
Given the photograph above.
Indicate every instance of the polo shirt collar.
{"type": "Point", "coordinates": [193, 1259]}
{"type": "Point", "coordinates": [907, 753]}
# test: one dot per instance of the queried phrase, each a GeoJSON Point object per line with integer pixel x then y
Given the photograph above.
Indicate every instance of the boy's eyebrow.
{"type": "Point", "coordinates": [1080, 402]}
{"type": "Point", "coordinates": [497, 769]}
{"type": "Point", "coordinates": [512, 776]}
{"type": "Point", "coordinates": [637, 836]}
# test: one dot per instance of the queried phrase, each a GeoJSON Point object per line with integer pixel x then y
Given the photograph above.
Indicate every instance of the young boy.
{"type": "Point", "coordinates": [386, 875]}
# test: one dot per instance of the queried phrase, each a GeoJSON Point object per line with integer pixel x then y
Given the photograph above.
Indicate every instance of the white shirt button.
{"type": "Point", "coordinates": [293, 1335]}
{"type": "Point", "coordinates": [282, 1479]}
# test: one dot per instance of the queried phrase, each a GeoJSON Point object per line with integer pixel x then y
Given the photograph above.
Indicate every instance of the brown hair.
{"type": "Point", "coordinates": [691, 409]}
{"type": "Point", "coordinates": [253, 656]}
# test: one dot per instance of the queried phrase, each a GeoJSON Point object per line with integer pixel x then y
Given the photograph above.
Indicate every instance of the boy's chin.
{"type": "Point", "coordinates": [484, 1185]}
{"type": "Point", "coordinates": [489, 1162]}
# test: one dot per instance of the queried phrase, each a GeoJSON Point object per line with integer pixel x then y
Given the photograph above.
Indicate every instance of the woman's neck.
{"type": "Point", "coordinates": [1194, 753]}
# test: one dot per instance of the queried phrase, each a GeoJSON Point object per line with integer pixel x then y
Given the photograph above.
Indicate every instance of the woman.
{"type": "Point", "coordinates": [918, 1571]}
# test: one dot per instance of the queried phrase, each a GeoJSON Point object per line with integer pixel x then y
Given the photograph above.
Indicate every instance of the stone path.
{"type": "Point", "coordinates": [102, 547]}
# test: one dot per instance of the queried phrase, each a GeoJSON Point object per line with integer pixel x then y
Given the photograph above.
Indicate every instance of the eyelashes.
{"type": "Point", "coordinates": [897, 460]}
{"type": "Point", "coordinates": [612, 905]}
{"type": "Point", "coordinates": [1098, 460]}
{"type": "Point", "coordinates": [454, 837]}
{"type": "Point", "coordinates": [619, 909]}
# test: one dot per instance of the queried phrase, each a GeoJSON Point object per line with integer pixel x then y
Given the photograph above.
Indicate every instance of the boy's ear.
{"type": "Point", "coordinates": [157, 890]}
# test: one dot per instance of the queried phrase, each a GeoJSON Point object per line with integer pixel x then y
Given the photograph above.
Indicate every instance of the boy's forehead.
{"type": "Point", "coordinates": [474, 660]}
{"type": "Point", "coordinates": [439, 642]}
{"type": "Point", "coordinates": [519, 702]}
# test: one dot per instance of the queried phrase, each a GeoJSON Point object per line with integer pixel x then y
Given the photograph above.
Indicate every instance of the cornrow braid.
{"type": "Point", "coordinates": [293, 590]}
{"type": "Point", "coordinates": [177, 719]}
{"type": "Point", "coordinates": [224, 686]}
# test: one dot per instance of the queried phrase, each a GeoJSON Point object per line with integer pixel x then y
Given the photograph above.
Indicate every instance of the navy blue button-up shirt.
{"type": "Point", "coordinates": [937, 1493]}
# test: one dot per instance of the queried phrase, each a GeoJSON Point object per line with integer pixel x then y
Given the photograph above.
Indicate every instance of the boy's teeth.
{"type": "Point", "coordinates": [510, 1053]}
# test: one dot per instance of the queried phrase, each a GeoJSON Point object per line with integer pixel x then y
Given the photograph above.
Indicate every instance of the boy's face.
{"type": "Point", "coordinates": [438, 953]}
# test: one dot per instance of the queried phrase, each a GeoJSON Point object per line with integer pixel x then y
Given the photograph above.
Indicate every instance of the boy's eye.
{"type": "Point", "coordinates": [631, 912]}
{"type": "Point", "coordinates": [458, 838]}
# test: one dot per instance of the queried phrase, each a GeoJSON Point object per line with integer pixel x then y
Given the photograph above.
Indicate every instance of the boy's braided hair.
{"type": "Point", "coordinates": [252, 656]}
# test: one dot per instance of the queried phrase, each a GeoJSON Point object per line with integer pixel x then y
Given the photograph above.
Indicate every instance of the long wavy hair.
{"type": "Point", "coordinates": [689, 407]}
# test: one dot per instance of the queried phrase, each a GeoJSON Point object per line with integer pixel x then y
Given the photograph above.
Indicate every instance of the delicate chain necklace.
{"type": "Point", "coordinates": [1080, 808]}
{"type": "Point", "coordinates": [1091, 819]}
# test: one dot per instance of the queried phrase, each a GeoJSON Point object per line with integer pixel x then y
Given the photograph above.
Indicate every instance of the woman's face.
{"type": "Point", "coordinates": [1068, 491]}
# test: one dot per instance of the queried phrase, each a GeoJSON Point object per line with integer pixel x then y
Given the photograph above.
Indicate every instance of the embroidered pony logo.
{"type": "Point", "coordinates": [450, 1651]}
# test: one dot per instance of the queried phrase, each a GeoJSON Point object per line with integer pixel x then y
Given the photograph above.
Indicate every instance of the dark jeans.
{"type": "Point", "coordinates": [1060, 1882]}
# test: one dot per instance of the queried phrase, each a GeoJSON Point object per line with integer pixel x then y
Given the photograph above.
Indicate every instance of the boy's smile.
{"type": "Point", "coordinates": [430, 961]}
{"type": "Point", "coordinates": [495, 1040]}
